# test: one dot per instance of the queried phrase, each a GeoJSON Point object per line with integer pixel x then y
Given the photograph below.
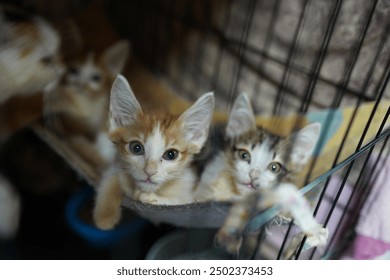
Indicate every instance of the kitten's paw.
{"type": "Point", "coordinates": [229, 238]}
{"type": "Point", "coordinates": [106, 218]}
{"type": "Point", "coordinates": [317, 238]}
{"type": "Point", "coordinates": [150, 198]}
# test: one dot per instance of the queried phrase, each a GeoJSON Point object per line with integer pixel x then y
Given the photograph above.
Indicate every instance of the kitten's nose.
{"type": "Point", "coordinates": [254, 174]}
{"type": "Point", "coordinates": [150, 169]}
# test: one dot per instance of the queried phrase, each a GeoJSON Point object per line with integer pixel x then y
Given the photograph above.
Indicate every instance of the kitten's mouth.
{"type": "Point", "coordinates": [250, 186]}
{"type": "Point", "coordinates": [148, 181]}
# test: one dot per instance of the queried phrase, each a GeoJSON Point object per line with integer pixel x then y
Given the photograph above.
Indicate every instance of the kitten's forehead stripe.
{"type": "Point", "coordinates": [167, 123]}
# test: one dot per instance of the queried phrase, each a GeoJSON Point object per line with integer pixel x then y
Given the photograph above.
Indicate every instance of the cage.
{"type": "Point", "coordinates": [315, 60]}
{"type": "Point", "coordinates": [290, 57]}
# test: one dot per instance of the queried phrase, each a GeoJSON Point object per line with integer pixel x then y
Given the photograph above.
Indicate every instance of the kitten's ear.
{"type": "Point", "coordinates": [115, 57]}
{"type": "Point", "coordinates": [241, 117]}
{"type": "Point", "coordinates": [47, 32]}
{"type": "Point", "coordinates": [304, 142]}
{"type": "Point", "coordinates": [124, 107]}
{"type": "Point", "coordinates": [71, 39]}
{"type": "Point", "coordinates": [196, 120]}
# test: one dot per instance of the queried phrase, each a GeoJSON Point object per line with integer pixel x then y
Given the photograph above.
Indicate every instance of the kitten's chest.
{"type": "Point", "coordinates": [92, 108]}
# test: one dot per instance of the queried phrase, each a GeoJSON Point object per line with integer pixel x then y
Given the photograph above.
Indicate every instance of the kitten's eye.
{"type": "Point", "coordinates": [275, 167]}
{"type": "Point", "coordinates": [96, 78]}
{"type": "Point", "coordinates": [136, 148]}
{"type": "Point", "coordinates": [170, 154]}
{"type": "Point", "coordinates": [47, 59]}
{"type": "Point", "coordinates": [244, 155]}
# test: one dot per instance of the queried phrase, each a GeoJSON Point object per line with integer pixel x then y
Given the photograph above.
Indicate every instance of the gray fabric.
{"type": "Point", "coordinates": [196, 215]}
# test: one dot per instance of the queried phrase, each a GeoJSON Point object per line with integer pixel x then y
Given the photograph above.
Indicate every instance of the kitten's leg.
{"type": "Point", "coordinates": [292, 201]}
{"type": "Point", "coordinates": [107, 211]}
{"type": "Point", "coordinates": [230, 235]}
{"type": "Point", "coordinates": [154, 198]}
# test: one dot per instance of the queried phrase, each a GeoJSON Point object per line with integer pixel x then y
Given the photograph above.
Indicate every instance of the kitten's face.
{"type": "Point", "coordinates": [84, 91]}
{"type": "Point", "coordinates": [260, 160]}
{"type": "Point", "coordinates": [154, 151]}
{"type": "Point", "coordinates": [95, 73]}
{"type": "Point", "coordinates": [29, 56]}
{"type": "Point", "coordinates": [156, 148]}
{"type": "Point", "coordinates": [86, 74]}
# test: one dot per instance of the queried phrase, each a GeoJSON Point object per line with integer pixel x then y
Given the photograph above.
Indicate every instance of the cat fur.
{"type": "Point", "coordinates": [227, 177]}
{"type": "Point", "coordinates": [150, 177]}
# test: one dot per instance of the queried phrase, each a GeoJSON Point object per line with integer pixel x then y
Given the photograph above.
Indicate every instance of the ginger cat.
{"type": "Point", "coordinates": [77, 108]}
{"type": "Point", "coordinates": [154, 153]}
{"type": "Point", "coordinates": [30, 59]}
{"type": "Point", "coordinates": [30, 64]}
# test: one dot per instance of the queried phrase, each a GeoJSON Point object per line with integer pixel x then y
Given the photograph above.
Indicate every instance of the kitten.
{"type": "Point", "coordinates": [30, 63]}
{"type": "Point", "coordinates": [155, 152]}
{"type": "Point", "coordinates": [253, 158]}
{"type": "Point", "coordinates": [256, 170]}
{"type": "Point", "coordinates": [29, 55]}
{"type": "Point", "coordinates": [78, 107]}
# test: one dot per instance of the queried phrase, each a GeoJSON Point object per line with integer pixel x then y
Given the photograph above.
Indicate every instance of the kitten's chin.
{"type": "Point", "coordinates": [148, 186]}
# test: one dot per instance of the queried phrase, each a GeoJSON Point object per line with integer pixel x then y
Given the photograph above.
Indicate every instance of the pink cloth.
{"type": "Point", "coordinates": [373, 228]}
{"type": "Point", "coordinates": [368, 248]}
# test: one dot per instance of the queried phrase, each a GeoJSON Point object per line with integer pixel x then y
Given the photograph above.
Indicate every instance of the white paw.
{"type": "Point", "coordinates": [317, 238]}
{"type": "Point", "coordinates": [150, 198]}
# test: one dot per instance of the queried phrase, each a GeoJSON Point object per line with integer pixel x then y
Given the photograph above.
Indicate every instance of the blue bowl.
{"type": "Point", "coordinates": [94, 236]}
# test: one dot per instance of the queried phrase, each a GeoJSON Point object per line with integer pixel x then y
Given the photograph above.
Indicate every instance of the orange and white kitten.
{"type": "Point", "coordinates": [252, 158]}
{"type": "Point", "coordinates": [78, 106]}
{"type": "Point", "coordinates": [155, 152]}
{"type": "Point", "coordinates": [29, 63]}
{"type": "Point", "coordinates": [29, 55]}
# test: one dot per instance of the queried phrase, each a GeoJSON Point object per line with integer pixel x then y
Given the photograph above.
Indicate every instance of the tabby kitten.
{"type": "Point", "coordinates": [29, 54]}
{"type": "Point", "coordinates": [155, 152]}
{"type": "Point", "coordinates": [252, 158]}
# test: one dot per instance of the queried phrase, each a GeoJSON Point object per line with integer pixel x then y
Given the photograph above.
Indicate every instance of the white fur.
{"type": "Point", "coordinates": [151, 165]}
{"type": "Point", "coordinates": [9, 209]}
{"type": "Point", "coordinates": [304, 143]}
{"type": "Point", "coordinates": [21, 75]}
{"type": "Point", "coordinates": [105, 147]}
{"type": "Point", "coordinates": [197, 119]}
{"type": "Point", "coordinates": [241, 117]}
{"type": "Point", "coordinates": [124, 106]}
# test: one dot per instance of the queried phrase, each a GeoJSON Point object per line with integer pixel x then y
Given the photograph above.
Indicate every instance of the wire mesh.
{"type": "Point", "coordinates": [289, 57]}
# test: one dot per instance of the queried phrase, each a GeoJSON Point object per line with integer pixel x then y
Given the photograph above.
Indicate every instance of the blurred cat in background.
{"type": "Point", "coordinates": [154, 153]}
{"type": "Point", "coordinates": [78, 108]}
{"type": "Point", "coordinates": [30, 59]}
{"type": "Point", "coordinates": [30, 63]}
